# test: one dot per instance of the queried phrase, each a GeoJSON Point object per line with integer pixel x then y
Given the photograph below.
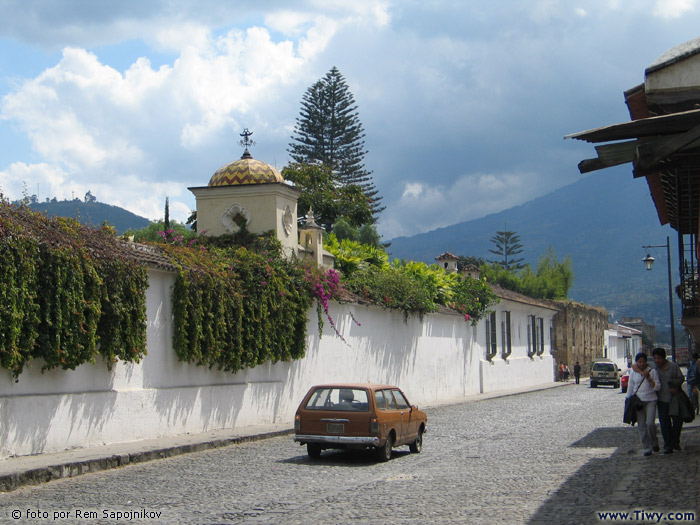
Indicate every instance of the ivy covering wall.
{"type": "Point", "coordinates": [235, 307]}
{"type": "Point", "coordinates": [68, 293]}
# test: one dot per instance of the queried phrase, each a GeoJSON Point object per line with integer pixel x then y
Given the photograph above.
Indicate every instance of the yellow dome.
{"type": "Point", "coordinates": [245, 170]}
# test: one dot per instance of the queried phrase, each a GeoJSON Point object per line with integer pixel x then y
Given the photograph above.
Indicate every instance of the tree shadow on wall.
{"type": "Point", "coordinates": [68, 408]}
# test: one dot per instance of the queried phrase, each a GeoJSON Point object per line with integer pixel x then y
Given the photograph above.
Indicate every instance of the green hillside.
{"type": "Point", "coordinates": [92, 213]}
{"type": "Point", "coordinates": [602, 221]}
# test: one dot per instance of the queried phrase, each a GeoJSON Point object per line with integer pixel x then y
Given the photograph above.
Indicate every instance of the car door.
{"type": "Point", "coordinates": [407, 426]}
{"type": "Point", "coordinates": [412, 422]}
{"type": "Point", "coordinates": [391, 418]}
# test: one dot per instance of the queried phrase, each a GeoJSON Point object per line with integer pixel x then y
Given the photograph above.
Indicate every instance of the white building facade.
{"type": "Point", "coordinates": [622, 343]}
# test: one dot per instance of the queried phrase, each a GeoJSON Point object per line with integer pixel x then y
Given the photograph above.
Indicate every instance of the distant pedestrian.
{"type": "Point", "coordinates": [562, 369]}
{"type": "Point", "coordinates": [567, 372]}
{"type": "Point", "coordinates": [644, 382]}
{"type": "Point", "coordinates": [577, 372]}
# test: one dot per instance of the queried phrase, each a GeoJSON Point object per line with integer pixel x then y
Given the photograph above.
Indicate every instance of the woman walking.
{"type": "Point", "coordinates": [645, 384]}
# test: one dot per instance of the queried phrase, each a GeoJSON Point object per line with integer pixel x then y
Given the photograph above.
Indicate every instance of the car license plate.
{"type": "Point", "coordinates": [335, 428]}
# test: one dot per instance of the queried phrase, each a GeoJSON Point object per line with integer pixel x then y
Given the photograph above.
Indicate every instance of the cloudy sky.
{"type": "Point", "coordinates": [464, 102]}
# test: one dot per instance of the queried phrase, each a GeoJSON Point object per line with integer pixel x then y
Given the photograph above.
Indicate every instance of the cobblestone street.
{"type": "Point", "coordinates": [554, 456]}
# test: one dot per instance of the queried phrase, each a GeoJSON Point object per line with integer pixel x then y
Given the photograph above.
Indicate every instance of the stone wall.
{"type": "Point", "coordinates": [578, 334]}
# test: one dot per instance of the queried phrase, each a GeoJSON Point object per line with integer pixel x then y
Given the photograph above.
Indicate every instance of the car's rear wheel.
{"type": "Point", "coordinates": [313, 450]}
{"type": "Point", "coordinates": [594, 384]}
{"type": "Point", "coordinates": [384, 453]}
{"type": "Point", "coordinates": [417, 445]}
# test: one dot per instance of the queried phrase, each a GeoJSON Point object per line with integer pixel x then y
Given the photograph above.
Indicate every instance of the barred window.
{"type": "Point", "coordinates": [505, 334]}
{"type": "Point", "coordinates": [491, 346]}
{"type": "Point", "coordinates": [531, 335]}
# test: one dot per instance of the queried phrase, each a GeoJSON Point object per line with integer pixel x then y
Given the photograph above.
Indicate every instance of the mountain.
{"type": "Point", "coordinates": [92, 213]}
{"type": "Point", "coordinates": [601, 221]}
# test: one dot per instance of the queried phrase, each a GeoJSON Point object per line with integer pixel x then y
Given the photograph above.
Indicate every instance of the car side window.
{"type": "Point", "coordinates": [390, 403]}
{"type": "Point", "coordinates": [379, 397]}
{"type": "Point", "coordinates": [401, 402]}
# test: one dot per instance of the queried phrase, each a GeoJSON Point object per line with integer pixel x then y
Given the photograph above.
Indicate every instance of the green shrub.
{"type": "Point", "coordinates": [235, 308]}
{"type": "Point", "coordinates": [69, 293]}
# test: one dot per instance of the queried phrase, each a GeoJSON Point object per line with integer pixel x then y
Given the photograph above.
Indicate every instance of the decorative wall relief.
{"type": "Point", "coordinates": [235, 217]}
{"type": "Point", "coordinates": [287, 220]}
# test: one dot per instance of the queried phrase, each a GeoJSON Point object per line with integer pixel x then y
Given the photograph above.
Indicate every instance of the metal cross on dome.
{"type": "Point", "coordinates": [246, 141]}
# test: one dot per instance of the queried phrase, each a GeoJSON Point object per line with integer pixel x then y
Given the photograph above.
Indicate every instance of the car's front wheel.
{"type": "Point", "coordinates": [417, 445]}
{"type": "Point", "coordinates": [384, 453]}
{"type": "Point", "coordinates": [313, 450]}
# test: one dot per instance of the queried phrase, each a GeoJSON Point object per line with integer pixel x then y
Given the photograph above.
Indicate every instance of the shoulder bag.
{"type": "Point", "coordinates": [632, 404]}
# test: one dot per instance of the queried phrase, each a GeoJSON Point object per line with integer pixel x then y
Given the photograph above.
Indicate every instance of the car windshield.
{"type": "Point", "coordinates": [338, 398]}
{"type": "Point", "coordinates": [604, 367]}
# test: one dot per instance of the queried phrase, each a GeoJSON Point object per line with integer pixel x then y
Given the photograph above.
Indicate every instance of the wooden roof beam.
{"type": "Point", "coordinates": [651, 153]}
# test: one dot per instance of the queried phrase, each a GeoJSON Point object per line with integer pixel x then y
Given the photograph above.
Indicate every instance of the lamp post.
{"type": "Point", "coordinates": [649, 264]}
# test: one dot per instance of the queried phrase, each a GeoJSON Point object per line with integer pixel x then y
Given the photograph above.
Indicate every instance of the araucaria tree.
{"type": "Point", "coordinates": [329, 132]}
{"type": "Point", "coordinates": [507, 247]}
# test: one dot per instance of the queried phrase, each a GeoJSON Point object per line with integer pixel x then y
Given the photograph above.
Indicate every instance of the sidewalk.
{"type": "Point", "coordinates": [31, 470]}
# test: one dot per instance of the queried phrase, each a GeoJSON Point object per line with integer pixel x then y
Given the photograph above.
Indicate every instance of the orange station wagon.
{"type": "Point", "coordinates": [358, 416]}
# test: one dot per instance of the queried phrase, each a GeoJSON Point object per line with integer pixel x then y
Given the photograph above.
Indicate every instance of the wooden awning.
{"type": "Point", "coordinates": [664, 149]}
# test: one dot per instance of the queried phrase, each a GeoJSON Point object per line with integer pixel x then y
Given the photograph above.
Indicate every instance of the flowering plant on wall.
{"type": "Point", "coordinates": [409, 286]}
{"type": "Point", "coordinates": [325, 286]}
{"type": "Point", "coordinates": [69, 293]}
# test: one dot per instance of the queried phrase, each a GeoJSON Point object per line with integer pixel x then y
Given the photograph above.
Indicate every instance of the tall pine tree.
{"type": "Point", "coordinates": [328, 131]}
{"type": "Point", "coordinates": [507, 247]}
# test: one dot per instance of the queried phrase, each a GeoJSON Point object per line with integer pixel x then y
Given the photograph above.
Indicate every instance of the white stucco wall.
{"type": "Point", "coordinates": [440, 358]}
{"type": "Point", "coordinates": [518, 369]}
{"type": "Point", "coordinates": [622, 347]}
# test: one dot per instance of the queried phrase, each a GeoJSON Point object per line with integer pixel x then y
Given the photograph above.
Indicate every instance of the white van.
{"type": "Point", "coordinates": [605, 373]}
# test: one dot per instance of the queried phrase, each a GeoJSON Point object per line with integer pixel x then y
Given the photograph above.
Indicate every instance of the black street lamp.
{"type": "Point", "coordinates": [649, 264]}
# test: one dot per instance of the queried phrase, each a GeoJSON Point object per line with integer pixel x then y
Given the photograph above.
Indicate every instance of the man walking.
{"type": "Point", "coordinates": [577, 372]}
{"type": "Point", "coordinates": [671, 379]}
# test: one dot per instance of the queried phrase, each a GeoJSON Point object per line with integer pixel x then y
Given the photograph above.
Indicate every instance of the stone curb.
{"type": "Point", "coordinates": [15, 480]}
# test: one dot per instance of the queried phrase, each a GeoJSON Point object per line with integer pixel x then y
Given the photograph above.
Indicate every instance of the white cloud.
{"type": "Point", "coordinates": [674, 8]}
{"type": "Point", "coordinates": [145, 198]}
{"type": "Point", "coordinates": [37, 179]}
{"type": "Point", "coordinates": [122, 135]}
{"type": "Point", "coordinates": [440, 86]}
{"type": "Point", "coordinates": [133, 131]}
{"type": "Point", "coordinates": [424, 207]}
{"type": "Point", "coordinates": [412, 189]}
{"type": "Point", "coordinates": [288, 22]}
